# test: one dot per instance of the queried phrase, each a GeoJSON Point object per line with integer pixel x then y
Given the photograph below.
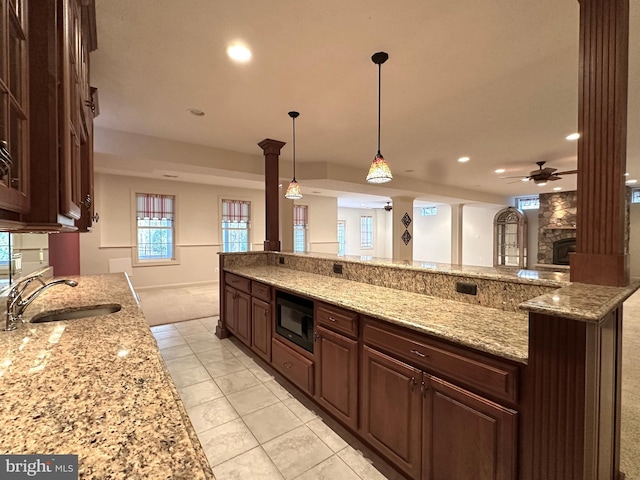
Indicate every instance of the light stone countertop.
{"type": "Point", "coordinates": [490, 330]}
{"type": "Point", "coordinates": [581, 301]}
{"type": "Point", "coordinates": [96, 387]}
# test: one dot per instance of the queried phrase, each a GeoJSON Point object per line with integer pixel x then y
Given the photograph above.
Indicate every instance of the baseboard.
{"type": "Point", "coordinates": [177, 285]}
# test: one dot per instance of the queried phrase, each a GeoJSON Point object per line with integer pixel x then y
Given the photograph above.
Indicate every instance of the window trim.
{"type": "Point", "coordinates": [305, 229]}
{"type": "Point", "coordinates": [135, 261]}
{"type": "Point", "coordinates": [362, 245]}
{"type": "Point", "coordinates": [238, 198]}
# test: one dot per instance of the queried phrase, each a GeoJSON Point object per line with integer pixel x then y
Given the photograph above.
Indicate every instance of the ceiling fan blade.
{"type": "Point", "coordinates": [568, 172]}
{"type": "Point", "coordinates": [547, 171]}
{"type": "Point", "coordinates": [554, 177]}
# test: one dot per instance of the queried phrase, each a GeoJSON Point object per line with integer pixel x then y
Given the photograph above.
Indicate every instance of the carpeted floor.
{"type": "Point", "coordinates": [171, 305]}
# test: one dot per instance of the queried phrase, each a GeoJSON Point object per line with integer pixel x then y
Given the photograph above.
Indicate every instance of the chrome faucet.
{"type": "Point", "coordinates": [16, 305]}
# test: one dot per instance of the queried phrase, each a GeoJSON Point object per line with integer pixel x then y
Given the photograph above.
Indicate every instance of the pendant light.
{"type": "Point", "coordinates": [379, 171]}
{"type": "Point", "coordinates": [293, 191]}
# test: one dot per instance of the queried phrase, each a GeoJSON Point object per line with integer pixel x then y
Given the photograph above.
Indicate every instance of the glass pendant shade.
{"type": "Point", "coordinates": [379, 171]}
{"type": "Point", "coordinates": [293, 191]}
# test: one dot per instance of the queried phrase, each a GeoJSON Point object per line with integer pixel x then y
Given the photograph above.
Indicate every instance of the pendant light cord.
{"type": "Point", "coordinates": [379, 89]}
{"type": "Point", "coordinates": [294, 148]}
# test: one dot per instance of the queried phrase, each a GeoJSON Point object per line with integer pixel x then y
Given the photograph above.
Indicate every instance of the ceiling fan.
{"type": "Point", "coordinates": [544, 175]}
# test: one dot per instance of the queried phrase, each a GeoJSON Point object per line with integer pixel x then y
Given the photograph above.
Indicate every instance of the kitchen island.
{"type": "Point", "coordinates": [529, 359]}
{"type": "Point", "coordinates": [95, 387]}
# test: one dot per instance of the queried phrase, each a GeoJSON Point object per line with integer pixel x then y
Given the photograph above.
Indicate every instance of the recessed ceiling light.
{"type": "Point", "coordinates": [239, 53]}
{"type": "Point", "coordinates": [557, 189]}
{"type": "Point", "coordinates": [525, 179]}
{"type": "Point", "coordinates": [500, 170]}
{"type": "Point", "coordinates": [463, 159]}
{"type": "Point", "coordinates": [196, 112]}
{"type": "Point", "coordinates": [409, 171]}
{"type": "Point", "coordinates": [630, 182]}
{"type": "Point", "coordinates": [542, 184]}
{"type": "Point", "coordinates": [573, 136]}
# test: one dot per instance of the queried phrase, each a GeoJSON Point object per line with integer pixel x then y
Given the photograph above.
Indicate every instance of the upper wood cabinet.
{"type": "Point", "coordinates": [62, 33]}
{"type": "Point", "coordinates": [14, 109]}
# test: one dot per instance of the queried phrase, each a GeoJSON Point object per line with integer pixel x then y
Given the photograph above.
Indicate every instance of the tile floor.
{"type": "Point", "coordinates": [249, 425]}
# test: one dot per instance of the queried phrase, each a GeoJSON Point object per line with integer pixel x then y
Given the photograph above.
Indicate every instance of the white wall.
{"type": "Point", "coordinates": [477, 234]}
{"type": "Point", "coordinates": [322, 235]}
{"type": "Point", "coordinates": [197, 228]}
{"type": "Point", "coordinates": [432, 235]}
{"type": "Point", "coordinates": [381, 232]}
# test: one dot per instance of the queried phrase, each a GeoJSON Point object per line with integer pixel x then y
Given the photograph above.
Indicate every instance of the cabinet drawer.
{"type": "Point", "coordinates": [473, 370]}
{"type": "Point", "coordinates": [261, 291]}
{"type": "Point", "coordinates": [238, 282]}
{"type": "Point", "coordinates": [298, 369]}
{"type": "Point", "coordinates": [337, 319]}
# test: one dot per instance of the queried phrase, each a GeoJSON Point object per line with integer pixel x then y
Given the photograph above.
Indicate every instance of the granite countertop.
{"type": "Point", "coordinates": [580, 301]}
{"type": "Point", "coordinates": [490, 330]}
{"type": "Point", "coordinates": [96, 387]}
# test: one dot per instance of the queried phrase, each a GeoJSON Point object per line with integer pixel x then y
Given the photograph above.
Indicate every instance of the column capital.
{"type": "Point", "coordinates": [271, 147]}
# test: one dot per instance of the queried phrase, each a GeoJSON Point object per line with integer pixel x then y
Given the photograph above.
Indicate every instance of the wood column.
{"type": "Point", "coordinates": [271, 149]}
{"type": "Point", "coordinates": [456, 234]}
{"type": "Point", "coordinates": [601, 253]}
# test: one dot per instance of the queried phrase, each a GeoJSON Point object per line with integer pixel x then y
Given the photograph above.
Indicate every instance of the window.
{"type": "Point", "coordinates": [528, 203]}
{"type": "Point", "coordinates": [342, 225]}
{"type": "Point", "coordinates": [366, 232]}
{"type": "Point", "coordinates": [5, 248]}
{"type": "Point", "coordinates": [429, 211]}
{"type": "Point", "coordinates": [635, 195]}
{"type": "Point", "coordinates": [155, 225]}
{"type": "Point", "coordinates": [235, 225]}
{"type": "Point", "coordinates": [300, 225]}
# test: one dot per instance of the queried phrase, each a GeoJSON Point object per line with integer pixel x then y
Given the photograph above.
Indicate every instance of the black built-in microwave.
{"type": "Point", "coordinates": [294, 317]}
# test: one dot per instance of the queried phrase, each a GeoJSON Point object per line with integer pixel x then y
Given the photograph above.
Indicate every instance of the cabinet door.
{"type": "Point", "coordinates": [337, 375]}
{"type": "Point", "coordinates": [391, 410]}
{"type": "Point", "coordinates": [230, 308]}
{"type": "Point", "coordinates": [261, 331]}
{"type": "Point", "coordinates": [466, 436]}
{"type": "Point", "coordinates": [243, 318]}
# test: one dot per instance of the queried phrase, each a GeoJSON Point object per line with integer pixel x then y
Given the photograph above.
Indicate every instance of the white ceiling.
{"type": "Point", "coordinates": [494, 80]}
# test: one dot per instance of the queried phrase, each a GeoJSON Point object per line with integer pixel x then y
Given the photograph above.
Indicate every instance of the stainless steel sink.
{"type": "Point", "coordinates": [82, 312]}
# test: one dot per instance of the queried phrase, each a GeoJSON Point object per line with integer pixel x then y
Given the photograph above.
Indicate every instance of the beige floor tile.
{"type": "Point", "coordinates": [332, 468]}
{"type": "Point", "coordinates": [252, 465]}
{"type": "Point", "coordinates": [359, 464]}
{"type": "Point", "coordinates": [166, 334]}
{"type": "Point", "coordinates": [261, 374]}
{"type": "Point", "coordinates": [205, 345]}
{"type": "Point", "coordinates": [184, 378]}
{"type": "Point", "coordinates": [220, 369]}
{"type": "Point", "coordinates": [271, 422]}
{"type": "Point", "coordinates": [217, 356]}
{"type": "Point", "coordinates": [183, 363]}
{"type": "Point", "coordinates": [200, 337]}
{"type": "Point", "coordinates": [302, 412]}
{"type": "Point", "coordinates": [163, 328]}
{"type": "Point", "coordinates": [200, 393]}
{"type": "Point", "coordinates": [170, 342]}
{"type": "Point", "coordinates": [237, 381]}
{"type": "Point", "coordinates": [295, 452]}
{"type": "Point", "coordinates": [277, 389]}
{"type": "Point", "coordinates": [211, 414]}
{"type": "Point", "coordinates": [191, 329]}
{"type": "Point", "coordinates": [176, 352]}
{"type": "Point", "coordinates": [334, 441]}
{"type": "Point", "coordinates": [226, 441]}
{"type": "Point", "coordinates": [251, 399]}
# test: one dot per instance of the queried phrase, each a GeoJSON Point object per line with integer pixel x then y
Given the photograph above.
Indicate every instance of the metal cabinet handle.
{"type": "Point", "coordinates": [287, 365]}
{"type": "Point", "coordinates": [420, 354]}
{"type": "Point", "coordinates": [413, 383]}
{"type": "Point", "coordinates": [423, 389]}
{"type": "Point", "coordinates": [332, 319]}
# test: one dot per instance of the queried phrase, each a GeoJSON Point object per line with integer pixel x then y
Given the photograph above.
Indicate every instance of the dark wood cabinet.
{"type": "Point", "coordinates": [261, 331]}
{"type": "Point", "coordinates": [293, 365]}
{"type": "Point", "coordinates": [336, 360]}
{"type": "Point", "coordinates": [61, 36]}
{"type": "Point", "coordinates": [237, 313]}
{"type": "Point", "coordinates": [466, 436]}
{"type": "Point", "coordinates": [391, 410]}
{"type": "Point", "coordinates": [14, 109]}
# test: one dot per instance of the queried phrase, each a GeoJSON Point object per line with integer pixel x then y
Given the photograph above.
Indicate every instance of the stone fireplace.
{"type": "Point", "coordinates": [556, 225]}
{"type": "Point", "coordinates": [561, 250]}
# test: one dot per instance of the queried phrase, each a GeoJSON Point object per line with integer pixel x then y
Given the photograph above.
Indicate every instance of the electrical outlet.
{"type": "Point", "coordinates": [467, 288]}
{"type": "Point", "coordinates": [337, 268]}
{"type": "Point", "coordinates": [217, 270]}
{"type": "Point", "coordinates": [281, 260]}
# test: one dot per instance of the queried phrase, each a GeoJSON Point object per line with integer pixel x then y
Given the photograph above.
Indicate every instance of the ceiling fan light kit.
{"type": "Point", "coordinates": [388, 207]}
{"type": "Point", "coordinates": [379, 172]}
